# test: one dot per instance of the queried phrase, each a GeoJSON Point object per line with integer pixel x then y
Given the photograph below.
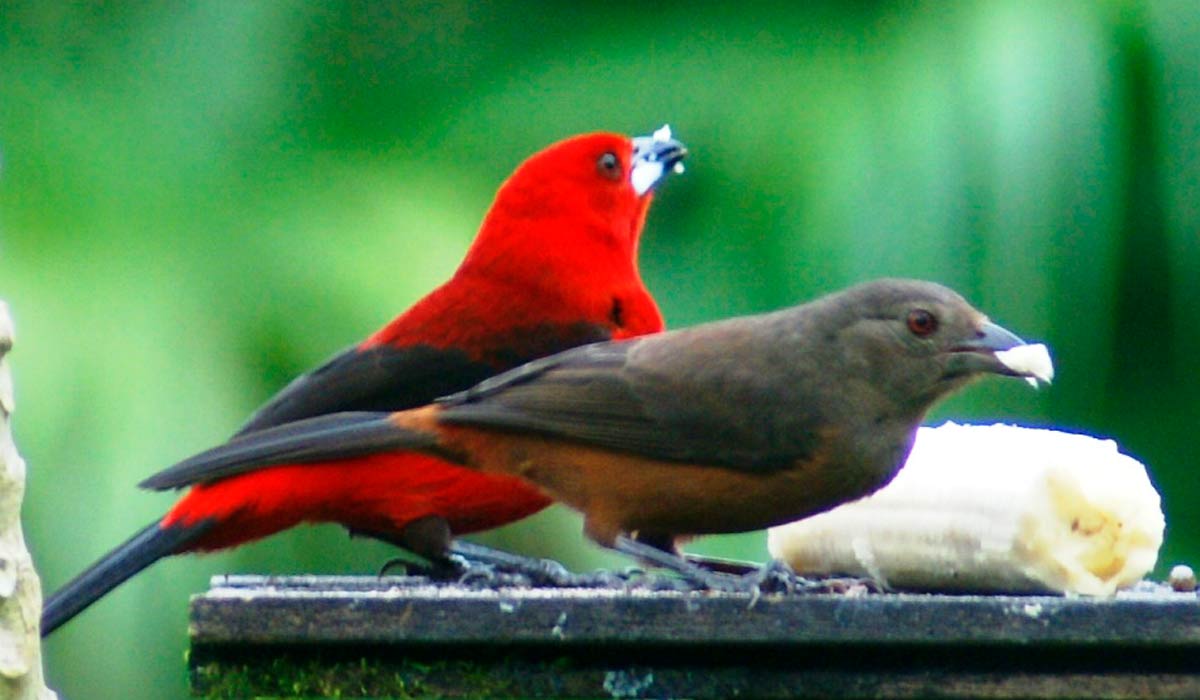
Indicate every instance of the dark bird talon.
{"type": "Point", "coordinates": [774, 577]}
{"type": "Point", "coordinates": [539, 572]}
{"type": "Point", "coordinates": [405, 566]}
{"type": "Point", "coordinates": [848, 585]}
{"type": "Point", "coordinates": [477, 575]}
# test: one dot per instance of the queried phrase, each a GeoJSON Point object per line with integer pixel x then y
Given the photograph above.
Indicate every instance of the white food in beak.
{"type": "Point", "coordinates": [1030, 360]}
{"type": "Point", "coordinates": [644, 175]}
{"type": "Point", "coordinates": [647, 172]}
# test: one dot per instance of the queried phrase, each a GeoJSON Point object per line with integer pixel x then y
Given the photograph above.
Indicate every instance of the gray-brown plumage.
{"type": "Point", "coordinates": [724, 427]}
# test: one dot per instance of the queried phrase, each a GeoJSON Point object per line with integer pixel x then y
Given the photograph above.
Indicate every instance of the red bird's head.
{"type": "Point", "coordinates": [579, 203]}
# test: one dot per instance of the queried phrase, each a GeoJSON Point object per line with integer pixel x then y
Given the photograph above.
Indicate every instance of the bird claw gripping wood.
{"type": "Point", "coordinates": [777, 578]}
{"type": "Point", "coordinates": [512, 569]}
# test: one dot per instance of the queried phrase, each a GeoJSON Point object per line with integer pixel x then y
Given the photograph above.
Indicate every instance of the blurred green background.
{"type": "Point", "coordinates": [200, 200]}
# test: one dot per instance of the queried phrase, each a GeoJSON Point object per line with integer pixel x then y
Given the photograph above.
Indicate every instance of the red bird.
{"type": "Point", "coordinates": [554, 265]}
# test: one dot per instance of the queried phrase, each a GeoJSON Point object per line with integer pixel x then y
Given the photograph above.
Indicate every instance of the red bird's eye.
{"type": "Point", "coordinates": [609, 166]}
{"type": "Point", "coordinates": [921, 322]}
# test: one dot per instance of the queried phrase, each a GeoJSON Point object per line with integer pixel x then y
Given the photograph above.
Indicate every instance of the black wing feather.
{"type": "Point", "coordinates": [320, 439]}
{"type": "Point", "coordinates": [390, 378]}
{"type": "Point", "coordinates": [381, 378]}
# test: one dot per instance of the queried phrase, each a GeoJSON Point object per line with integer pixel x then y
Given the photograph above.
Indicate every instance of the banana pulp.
{"type": "Point", "coordinates": [995, 508]}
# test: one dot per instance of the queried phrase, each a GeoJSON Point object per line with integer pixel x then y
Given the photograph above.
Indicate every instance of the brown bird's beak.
{"type": "Point", "coordinates": [653, 157]}
{"type": "Point", "coordinates": [997, 350]}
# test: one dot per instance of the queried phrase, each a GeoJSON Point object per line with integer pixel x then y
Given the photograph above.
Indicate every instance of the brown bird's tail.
{"type": "Point", "coordinates": [336, 436]}
{"type": "Point", "coordinates": [147, 546]}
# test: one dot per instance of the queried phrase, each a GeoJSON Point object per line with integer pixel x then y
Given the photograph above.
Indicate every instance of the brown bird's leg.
{"type": "Point", "coordinates": [674, 562]}
{"type": "Point", "coordinates": [667, 544]}
{"type": "Point", "coordinates": [774, 576]}
{"type": "Point", "coordinates": [734, 567]}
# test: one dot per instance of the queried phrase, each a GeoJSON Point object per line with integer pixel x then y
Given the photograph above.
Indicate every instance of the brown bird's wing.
{"type": "Point", "coordinates": [699, 396]}
{"type": "Point", "coordinates": [662, 400]}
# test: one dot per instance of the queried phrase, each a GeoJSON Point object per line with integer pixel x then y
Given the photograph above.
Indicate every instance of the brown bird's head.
{"type": "Point", "coordinates": [916, 341]}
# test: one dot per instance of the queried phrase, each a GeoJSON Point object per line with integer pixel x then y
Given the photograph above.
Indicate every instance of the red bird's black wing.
{"type": "Point", "coordinates": [317, 439]}
{"type": "Point", "coordinates": [359, 382]}
{"type": "Point", "coordinates": [394, 378]}
{"type": "Point", "coordinates": [380, 378]}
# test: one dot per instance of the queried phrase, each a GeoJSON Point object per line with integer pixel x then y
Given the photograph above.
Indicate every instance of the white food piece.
{"type": "Point", "coordinates": [1031, 360]}
{"type": "Point", "coordinates": [644, 175]}
{"type": "Point", "coordinates": [995, 508]}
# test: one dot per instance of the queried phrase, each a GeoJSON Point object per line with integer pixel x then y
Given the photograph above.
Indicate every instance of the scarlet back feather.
{"type": "Point", "coordinates": [554, 265]}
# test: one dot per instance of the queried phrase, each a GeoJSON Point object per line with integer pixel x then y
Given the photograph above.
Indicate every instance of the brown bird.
{"type": "Point", "coordinates": [724, 427]}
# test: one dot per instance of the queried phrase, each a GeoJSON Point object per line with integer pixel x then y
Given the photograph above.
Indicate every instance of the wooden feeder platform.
{"type": "Point", "coordinates": [405, 637]}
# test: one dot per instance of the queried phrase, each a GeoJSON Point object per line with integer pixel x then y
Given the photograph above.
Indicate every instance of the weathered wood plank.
{"type": "Point", "coordinates": [405, 637]}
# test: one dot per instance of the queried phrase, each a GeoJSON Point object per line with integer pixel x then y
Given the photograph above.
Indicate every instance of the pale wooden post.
{"type": "Point", "coordinates": [20, 590]}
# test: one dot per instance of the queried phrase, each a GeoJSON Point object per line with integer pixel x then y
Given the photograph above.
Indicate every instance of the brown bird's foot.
{"type": "Point", "coordinates": [846, 585]}
{"type": "Point", "coordinates": [776, 577]}
{"type": "Point", "coordinates": [696, 575]}
{"type": "Point", "coordinates": [737, 567]}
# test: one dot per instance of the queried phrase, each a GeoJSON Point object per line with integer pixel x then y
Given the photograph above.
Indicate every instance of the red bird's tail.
{"type": "Point", "coordinates": [147, 546]}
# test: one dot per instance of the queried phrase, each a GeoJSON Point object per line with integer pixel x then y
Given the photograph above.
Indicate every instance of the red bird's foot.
{"type": "Point", "coordinates": [538, 572]}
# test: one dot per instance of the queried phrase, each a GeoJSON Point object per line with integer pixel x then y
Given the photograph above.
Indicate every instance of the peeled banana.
{"type": "Point", "coordinates": [992, 508]}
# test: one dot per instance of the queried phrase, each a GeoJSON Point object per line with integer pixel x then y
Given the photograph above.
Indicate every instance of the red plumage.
{"type": "Point", "coordinates": [558, 247]}
{"type": "Point", "coordinates": [554, 265]}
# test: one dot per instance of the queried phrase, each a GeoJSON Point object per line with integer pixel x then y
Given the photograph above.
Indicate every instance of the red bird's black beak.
{"type": "Point", "coordinates": [653, 157]}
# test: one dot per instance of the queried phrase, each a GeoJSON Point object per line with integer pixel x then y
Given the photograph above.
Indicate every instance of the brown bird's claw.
{"type": "Point", "coordinates": [696, 575]}
{"type": "Point", "coordinates": [738, 567]}
{"type": "Point", "coordinates": [774, 577]}
{"type": "Point", "coordinates": [846, 585]}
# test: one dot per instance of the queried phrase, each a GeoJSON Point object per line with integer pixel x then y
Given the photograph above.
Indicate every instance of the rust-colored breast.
{"type": "Point", "coordinates": [623, 493]}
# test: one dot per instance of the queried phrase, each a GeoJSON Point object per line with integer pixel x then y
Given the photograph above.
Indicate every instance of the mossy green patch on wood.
{"type": "Point", "coordinates": [313, 676]}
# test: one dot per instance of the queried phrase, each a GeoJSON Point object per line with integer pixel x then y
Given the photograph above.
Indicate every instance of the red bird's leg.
{"type": "Point", "coordinates": [539, 571]}
{"type": "Point", "coordinates": [450, 559]}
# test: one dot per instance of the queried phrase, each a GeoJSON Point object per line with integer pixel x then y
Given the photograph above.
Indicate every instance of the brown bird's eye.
{"type": "Point", "coordinates": [921, 322]}
{"type": "Point", "coordinates": [609, 166]}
